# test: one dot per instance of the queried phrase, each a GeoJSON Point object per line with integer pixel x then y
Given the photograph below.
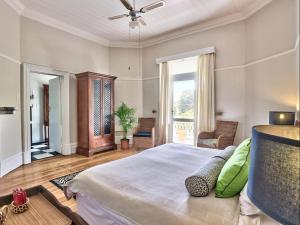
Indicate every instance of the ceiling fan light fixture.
{"type": "Point", "coordinates": [135, 14]}
{"type": "Point", "coordinates": [133, 24]}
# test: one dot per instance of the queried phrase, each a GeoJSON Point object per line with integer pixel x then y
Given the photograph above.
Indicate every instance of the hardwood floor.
{"type": "Point", "coordinates": [42, 171]}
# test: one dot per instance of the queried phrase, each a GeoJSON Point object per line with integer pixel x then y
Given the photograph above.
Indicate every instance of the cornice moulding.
{"type": "Point", "coordinates": [63, 26]}
{"type": "Point", "coordinates": [254, 7]}
{"type": "Point", "coordinates": [118, 44]}
{"type": "Point", "coordinates": [15, 5]}
{"type": "Point", "coordinates": [233, 18]}
{"type": "Point", "coordinates": [193, 29]}
{"type": "Point", "coordinates": [250, 10]}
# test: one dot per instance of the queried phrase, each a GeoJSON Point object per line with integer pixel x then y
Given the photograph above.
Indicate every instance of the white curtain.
{"type": "Point", "coordinates": [164, 103]}
{"type": "Point", "coordinates": [205, 108]}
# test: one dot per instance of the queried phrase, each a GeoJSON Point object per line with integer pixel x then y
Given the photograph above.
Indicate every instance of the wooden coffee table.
{"type": "Point", "coordinates": [44, 209]}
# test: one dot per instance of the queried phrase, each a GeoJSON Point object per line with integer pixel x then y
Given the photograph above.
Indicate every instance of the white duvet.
{"type": "Point", "coordinates": [149, 188]}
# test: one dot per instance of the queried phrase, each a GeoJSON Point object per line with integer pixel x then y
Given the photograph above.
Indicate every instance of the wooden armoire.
{"type": "Point", "coordinates": [95, 113]}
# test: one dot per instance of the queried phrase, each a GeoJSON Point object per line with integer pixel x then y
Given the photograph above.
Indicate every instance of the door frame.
{"type": "Point", "coordinates": [65, 107]}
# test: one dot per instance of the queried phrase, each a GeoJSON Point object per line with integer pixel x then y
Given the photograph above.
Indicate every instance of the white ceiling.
{"type": "Point", "coordinates": [90, 16]}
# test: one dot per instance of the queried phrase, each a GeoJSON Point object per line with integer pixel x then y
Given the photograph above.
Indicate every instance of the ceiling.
{"type": "Point", "coordinates": [90, 16]}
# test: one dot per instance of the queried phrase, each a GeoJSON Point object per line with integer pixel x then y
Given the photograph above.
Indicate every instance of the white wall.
{"type": "Point", "coordinates": [10, 125]}
{"type": "Point", "coordinates": [47, 46]}
{"type": "Point", "coordinates": [44, 45]}
{"type": "Point", "coordinates": [229, 41]}
{"type": "Point", "coordinates": [129, 83]}
{"type": "Point", "coordinates": [247, 92]}
{"type": "Point", "coordinates": [272, 84]}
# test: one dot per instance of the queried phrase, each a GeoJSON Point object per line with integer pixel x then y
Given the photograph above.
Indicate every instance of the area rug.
{"type": "Point", "coordinates": [61, 181]}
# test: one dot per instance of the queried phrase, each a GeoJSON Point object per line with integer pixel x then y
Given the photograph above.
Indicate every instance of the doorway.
{"type": "Point", "coordinates": [45, 115]}
{"type": "Point", "coordinates": [54, 135]}
{"type": "Point", "coordinates": [182, 122]}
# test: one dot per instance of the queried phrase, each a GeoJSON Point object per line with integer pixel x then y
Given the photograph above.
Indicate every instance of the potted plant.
{"type": "Point", "coordinates": [127, 121]}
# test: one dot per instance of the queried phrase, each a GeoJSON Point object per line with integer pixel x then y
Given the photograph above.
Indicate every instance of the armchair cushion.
{"type": "Point", "coordinates": [143, 134]}
{"type": "Point", "coordinates": [211, 143]}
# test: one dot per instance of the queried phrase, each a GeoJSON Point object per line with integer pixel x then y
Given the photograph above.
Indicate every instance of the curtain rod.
{"type": "Point", "coordinates": [183, 55]}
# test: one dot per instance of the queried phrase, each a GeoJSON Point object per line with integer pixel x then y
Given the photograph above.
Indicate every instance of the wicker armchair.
{"type": "Point", "coordinates": [221, 137]}
{"type": "Point", "coordinates": [144, 133]}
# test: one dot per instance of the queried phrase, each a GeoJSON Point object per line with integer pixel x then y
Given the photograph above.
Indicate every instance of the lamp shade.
{"type": "Point", "coordinates": [274, 175]}
{"type": "Point", "coordinates": [281, 118]}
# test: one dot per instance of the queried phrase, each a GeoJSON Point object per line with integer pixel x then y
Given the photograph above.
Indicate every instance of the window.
{"type": "Point", "coordinates": [183, 74]}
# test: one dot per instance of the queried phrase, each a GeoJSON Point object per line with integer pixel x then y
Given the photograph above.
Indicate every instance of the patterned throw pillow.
{"type": "Point", "coordinates": [204, 180]}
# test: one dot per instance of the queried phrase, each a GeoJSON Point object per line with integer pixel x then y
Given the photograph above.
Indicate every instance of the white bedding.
{"type": "Point", "coordinates": [149, 188]}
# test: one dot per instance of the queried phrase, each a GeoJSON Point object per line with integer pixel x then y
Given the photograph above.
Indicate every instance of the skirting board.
{"type": "Point", "coordinates": [73, 148]}
{"type": "Point", "coordinates": [11, 163]}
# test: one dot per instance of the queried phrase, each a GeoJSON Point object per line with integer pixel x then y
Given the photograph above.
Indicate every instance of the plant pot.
{"type": "Point", "coordinates": [124, 144]}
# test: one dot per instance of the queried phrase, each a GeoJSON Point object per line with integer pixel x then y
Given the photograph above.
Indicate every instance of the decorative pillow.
{"type": "Point", "coordinates": [234, 174]}
{"type": "Point", "coordinates": [226, 153]}
{"type": "Point", "coordinates": [204, 180]}
{"type": "Point", "coordinates": [209, 142]}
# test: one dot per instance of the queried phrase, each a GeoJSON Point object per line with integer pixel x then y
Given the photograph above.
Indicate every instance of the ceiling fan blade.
{"type": "Point", "coordinates": [127, 4]}
{"type": "Point", "coordinates": [152, 6]}
{"type": "Point", "coordinates": [142, 21]}
{"type": "Point", "coordinates": [118, 17]}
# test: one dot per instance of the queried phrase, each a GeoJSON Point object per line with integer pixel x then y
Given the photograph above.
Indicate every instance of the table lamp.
{"type": "Point", "coordinates": [281, 118]}
{"type": "Point", "coordinates": [274, 174]}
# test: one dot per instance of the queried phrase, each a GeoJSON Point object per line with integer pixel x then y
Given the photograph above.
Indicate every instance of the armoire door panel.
{"type": "Point", "coordinates": [107, 106]}
{"type": "Point", "coordinates": [97, 109]}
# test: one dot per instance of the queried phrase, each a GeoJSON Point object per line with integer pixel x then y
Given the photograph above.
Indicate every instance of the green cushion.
{"type": "Point", "coordinates": [234, 174]}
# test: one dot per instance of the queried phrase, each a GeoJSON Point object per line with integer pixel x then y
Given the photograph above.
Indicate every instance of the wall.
{"type": "Point", "coordinates": [244, 93]}
{"type": "Point", "coordinates": [229, 41]}
{"type": "Point", "coordinates": [129, 82]}
{"type": "Point", "coordinates": [10, 125]}
{"type": "Point", "coordinates": [47, 46]}
{"type": "Point", "coordinates": [128, 86]}
{"type": "Point", "coordinates": [247, 92]}
{"type": "Point", "coordinates": [272, 84]}
{"type": "Point", "coordinates": [43, 45]}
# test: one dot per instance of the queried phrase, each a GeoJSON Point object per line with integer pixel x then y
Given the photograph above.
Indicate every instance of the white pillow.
{"type": "Point", "coordinates": [250, 214]}
{"type": "Point", "coordinates": [247, 207]}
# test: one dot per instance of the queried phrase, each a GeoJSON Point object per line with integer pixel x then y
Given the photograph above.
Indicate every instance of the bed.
{"type": "Point", "coordinates": [149, 188]}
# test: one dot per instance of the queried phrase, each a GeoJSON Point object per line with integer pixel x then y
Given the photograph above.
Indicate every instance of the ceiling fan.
{"type": "Point", "coordinates": [135, 15]}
